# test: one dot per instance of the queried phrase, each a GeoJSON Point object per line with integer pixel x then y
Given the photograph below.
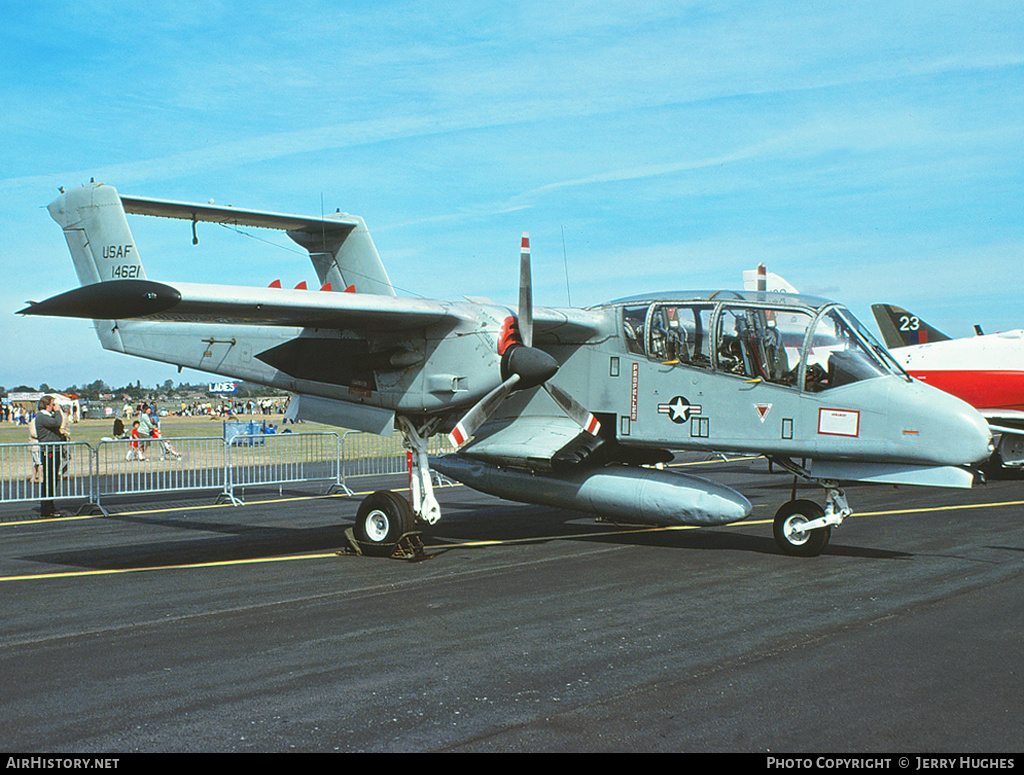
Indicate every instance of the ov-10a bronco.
{"type": "Point", "coordinates": [566, 407]}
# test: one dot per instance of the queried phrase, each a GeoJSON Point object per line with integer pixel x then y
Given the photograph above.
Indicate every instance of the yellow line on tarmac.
{"type": "Point", "coordinates": [117, 571]}
{"type": "Point", "coordinates": [197, 507]}
{"type": "Point", "coordinates": [214, 564]}
{"type": "Point", "coordinates": [539, 539]}
{"type": "Point", "coordinates": [453, 545]}
{"type": "Point", "coordinates": [742, 523]}
{"type": "Point", "coordinates": [926, 509]}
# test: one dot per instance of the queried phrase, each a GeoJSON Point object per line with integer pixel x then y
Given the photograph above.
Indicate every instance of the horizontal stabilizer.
{"type": "Point", "coordinates": [231, 216]}
{"type": "Point", "coordinates": [339, 244]}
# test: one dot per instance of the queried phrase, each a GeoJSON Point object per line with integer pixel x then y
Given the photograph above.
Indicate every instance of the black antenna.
{"type": "Point", "coordinates": [323, 226]}
{"type": "Point", "coordinates": [565, 262]}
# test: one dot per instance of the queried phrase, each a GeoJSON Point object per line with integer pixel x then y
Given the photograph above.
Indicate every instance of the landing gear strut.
{"type": "Point", "coordinates": [424, 504]}
{"type": "Point", "coordinates": [384, 517]}
{"type": "Point", "coordinates": [802, 528]}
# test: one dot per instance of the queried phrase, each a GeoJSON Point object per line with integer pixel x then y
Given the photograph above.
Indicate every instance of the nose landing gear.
{"type": "Point", "coordinates": [791, 531]}
{"type": "Point", "coordinates": [801, 527]}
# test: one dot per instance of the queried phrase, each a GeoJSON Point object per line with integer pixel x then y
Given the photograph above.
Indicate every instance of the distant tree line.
{"type": "Point", "coordinates": [101, 391]}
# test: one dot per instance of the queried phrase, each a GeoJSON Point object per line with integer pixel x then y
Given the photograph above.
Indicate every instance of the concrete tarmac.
{"type": "Point", "coordinates": [180, 625]}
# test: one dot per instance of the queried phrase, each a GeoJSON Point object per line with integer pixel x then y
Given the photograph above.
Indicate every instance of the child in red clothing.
{"type": "Point", "coordinates": [134, 450]}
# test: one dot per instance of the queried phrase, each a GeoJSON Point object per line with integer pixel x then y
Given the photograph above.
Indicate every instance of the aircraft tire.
{"type": "Point", "coordinates": [792, 542]}
{"type": "Point", "coordinates": [383, 518]}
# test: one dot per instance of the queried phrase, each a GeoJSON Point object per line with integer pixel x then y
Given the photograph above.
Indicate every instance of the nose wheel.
{"type": "Point", "coordinates": [793, 531]}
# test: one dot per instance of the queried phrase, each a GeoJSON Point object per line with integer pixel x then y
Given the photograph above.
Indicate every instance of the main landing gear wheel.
{"type": "Point", "coordinates": [383, 518]}
{"type": "Point", "coordinates": [789, 532]}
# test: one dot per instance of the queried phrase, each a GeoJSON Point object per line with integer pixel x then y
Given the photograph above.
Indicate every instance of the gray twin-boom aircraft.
{"type": "Point", "coordinates": [572, 408]}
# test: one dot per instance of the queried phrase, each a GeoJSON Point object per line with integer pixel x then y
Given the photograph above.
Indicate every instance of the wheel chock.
{"type": "Point", "coordinates": [409, 547]}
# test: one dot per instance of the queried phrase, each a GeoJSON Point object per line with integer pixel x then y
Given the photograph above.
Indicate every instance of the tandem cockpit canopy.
{"type": "Point", "coordinates": [801, 342]}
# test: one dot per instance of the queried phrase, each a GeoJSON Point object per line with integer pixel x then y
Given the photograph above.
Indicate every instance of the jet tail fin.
{"type": "Point", "coordinates": [761, 279]}
{"type": "Point", "coordinates": [901, 328]}
{"type": "Point", "coordinates": [96, 229]}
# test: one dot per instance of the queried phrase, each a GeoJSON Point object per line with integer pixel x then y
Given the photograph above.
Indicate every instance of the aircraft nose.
{"type": "Point", "coordinates": [961, 436]}
{"type": "Point", "coordinates": [975, 437]}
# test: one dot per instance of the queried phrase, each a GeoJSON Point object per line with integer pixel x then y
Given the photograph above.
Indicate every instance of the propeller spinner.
{"type": "Point", "coordinates": [522, 366]}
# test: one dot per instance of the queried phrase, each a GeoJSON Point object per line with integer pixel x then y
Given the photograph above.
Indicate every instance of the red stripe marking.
{"type": "Point", "coordinates": [983, 389]}
{"type": "Point", "coordinates": [457, 436]}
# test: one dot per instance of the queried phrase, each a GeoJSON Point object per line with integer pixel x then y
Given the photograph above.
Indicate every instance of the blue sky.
{"type": "Point", "coordinates": [866, 151]}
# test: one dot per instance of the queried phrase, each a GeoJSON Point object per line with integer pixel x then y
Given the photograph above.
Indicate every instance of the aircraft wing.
{"type": "Point", "coordinates": [199, 303]}
{"type": "Point", "coordinates": [530, 439]}
{"type": "Point", "coordinates": [568, 326]}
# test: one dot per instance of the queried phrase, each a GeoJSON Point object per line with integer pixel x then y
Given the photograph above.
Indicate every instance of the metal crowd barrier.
{"type": "Point", "coordinates": [21, 471]}
{"type": "Point", "coordinates": [263, 459]}
{"type": "Point", "coordinates": [364, 454]}
{"type": "Point", "coordinates": [127, 466]}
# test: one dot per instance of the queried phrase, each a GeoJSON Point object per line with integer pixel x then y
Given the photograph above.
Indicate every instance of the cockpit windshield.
{"type": "Point", "coordinates": [810, 348]}
{"type": "Point", "coordinates": [842, 351]}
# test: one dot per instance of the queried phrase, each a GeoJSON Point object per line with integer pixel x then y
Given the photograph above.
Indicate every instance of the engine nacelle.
{"type": "Point", "coordinates": [618, 492]}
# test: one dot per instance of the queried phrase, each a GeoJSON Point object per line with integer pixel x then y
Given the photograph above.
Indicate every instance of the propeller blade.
{"type": "Point", "coordinates": [478, 415]}
{"type": "Point", "coordinates": [525, 293]}
{"type": "Point", "coordinates": [573, 409]}
{"type": "Point", "coordinates": [523, 364]}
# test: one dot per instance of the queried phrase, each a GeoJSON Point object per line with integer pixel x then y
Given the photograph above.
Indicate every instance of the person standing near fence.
{"type": "Point", "coordinates": [48, 423]}
{"type": "Point", "coordinates": [33, 445]}
{"type": "Point", "coordinates": [146, 426]}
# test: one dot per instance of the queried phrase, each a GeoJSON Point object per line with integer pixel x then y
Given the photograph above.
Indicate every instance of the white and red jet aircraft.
{"type": "Point", "coordinates": [985, 370]}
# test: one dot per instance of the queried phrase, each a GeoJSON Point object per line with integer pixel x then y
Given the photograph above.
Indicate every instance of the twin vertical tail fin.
{"type": "Point", "coordinates": [96, 229]}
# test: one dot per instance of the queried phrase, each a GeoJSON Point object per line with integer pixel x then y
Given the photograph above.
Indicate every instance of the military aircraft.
{"type": "Point", "coordinates": [985, 370]}
{"type": "Point", "coordinates": [572, 408]}
{"type": "Point", "coordinates": [761, 279]}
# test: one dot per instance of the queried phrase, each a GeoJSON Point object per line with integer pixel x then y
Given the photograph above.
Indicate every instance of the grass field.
{"type": "Point", "coordinates": [91, 431]}
{"type": "Point", "coordinates": [199, 459]}
{"type": "Point", "coordinates": [356, 446]}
